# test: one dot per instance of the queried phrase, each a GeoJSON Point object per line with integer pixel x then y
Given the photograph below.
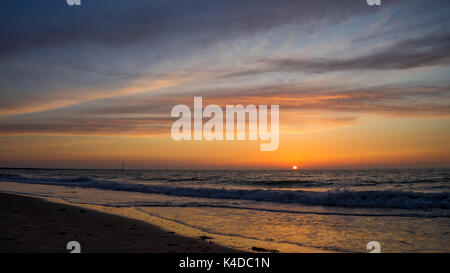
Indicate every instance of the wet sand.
{"type": "Point", "coordinates": [30, 224]}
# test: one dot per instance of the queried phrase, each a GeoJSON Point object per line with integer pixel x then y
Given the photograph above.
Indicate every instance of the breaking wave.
{"type": "Point", "coordinates": [339, 198]}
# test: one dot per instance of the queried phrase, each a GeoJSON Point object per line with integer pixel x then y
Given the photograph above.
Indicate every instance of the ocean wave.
{"type": "Point", "coordinates": [338, 198]}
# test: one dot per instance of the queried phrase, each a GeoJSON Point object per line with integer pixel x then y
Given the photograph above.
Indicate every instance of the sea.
{"type": "Point", "coordinates": [402, 210]}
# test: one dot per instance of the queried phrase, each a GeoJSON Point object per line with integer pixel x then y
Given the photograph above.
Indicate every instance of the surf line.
{"type": "Point", "coordinates": [213, 129]}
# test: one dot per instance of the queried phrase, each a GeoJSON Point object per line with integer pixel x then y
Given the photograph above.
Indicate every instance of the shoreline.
{"type": "Point", "coordinates": [30, 224]}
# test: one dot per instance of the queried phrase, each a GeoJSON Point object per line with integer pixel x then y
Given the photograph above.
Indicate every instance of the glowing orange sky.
{"type": "Point", "coordinates": [379, 143]}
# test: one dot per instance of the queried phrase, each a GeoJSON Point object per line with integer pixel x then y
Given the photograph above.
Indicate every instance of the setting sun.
{"type": "Point", "coordinates": [294, 167]}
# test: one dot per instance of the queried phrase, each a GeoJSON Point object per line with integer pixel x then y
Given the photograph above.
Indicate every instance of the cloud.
{"type": "Point", "coordinates": [94, 127]}
{"type": "Point", "coordinates": [118, 23]}
{"type": "Point", "coordinates": [406, 54]}
{"type": "Point", "coordinates": [53, 55]}
{"type": "Point", "coordinates": [314, 106]}
{"type": "Point", "coordinates": [63, 94]}
{"type": "Point", "coordinates": [64, 65]}
{"type": "Point", "coordinates": [393, 100]}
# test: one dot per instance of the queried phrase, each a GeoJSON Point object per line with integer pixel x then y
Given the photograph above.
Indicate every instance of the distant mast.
{"type": "Point", "coordinates": [123, 166]}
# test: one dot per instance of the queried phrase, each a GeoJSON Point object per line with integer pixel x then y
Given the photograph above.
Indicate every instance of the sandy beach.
{"type": "Point", "coordinates": [35, 225]}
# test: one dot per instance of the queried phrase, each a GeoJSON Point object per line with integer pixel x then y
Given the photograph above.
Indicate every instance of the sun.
{"type": "Point", "coordinates": [294, 167]}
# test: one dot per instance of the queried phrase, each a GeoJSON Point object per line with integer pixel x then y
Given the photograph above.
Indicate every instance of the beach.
{"type": "Point", "coordinates": [35, 225]}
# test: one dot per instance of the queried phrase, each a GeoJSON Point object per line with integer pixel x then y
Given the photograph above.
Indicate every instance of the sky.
{"type": "Point", "coordinates": [93, 86]}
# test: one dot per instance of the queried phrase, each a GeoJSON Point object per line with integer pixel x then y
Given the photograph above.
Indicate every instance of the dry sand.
{"type": "Point", "coordinates": [30, 224]}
